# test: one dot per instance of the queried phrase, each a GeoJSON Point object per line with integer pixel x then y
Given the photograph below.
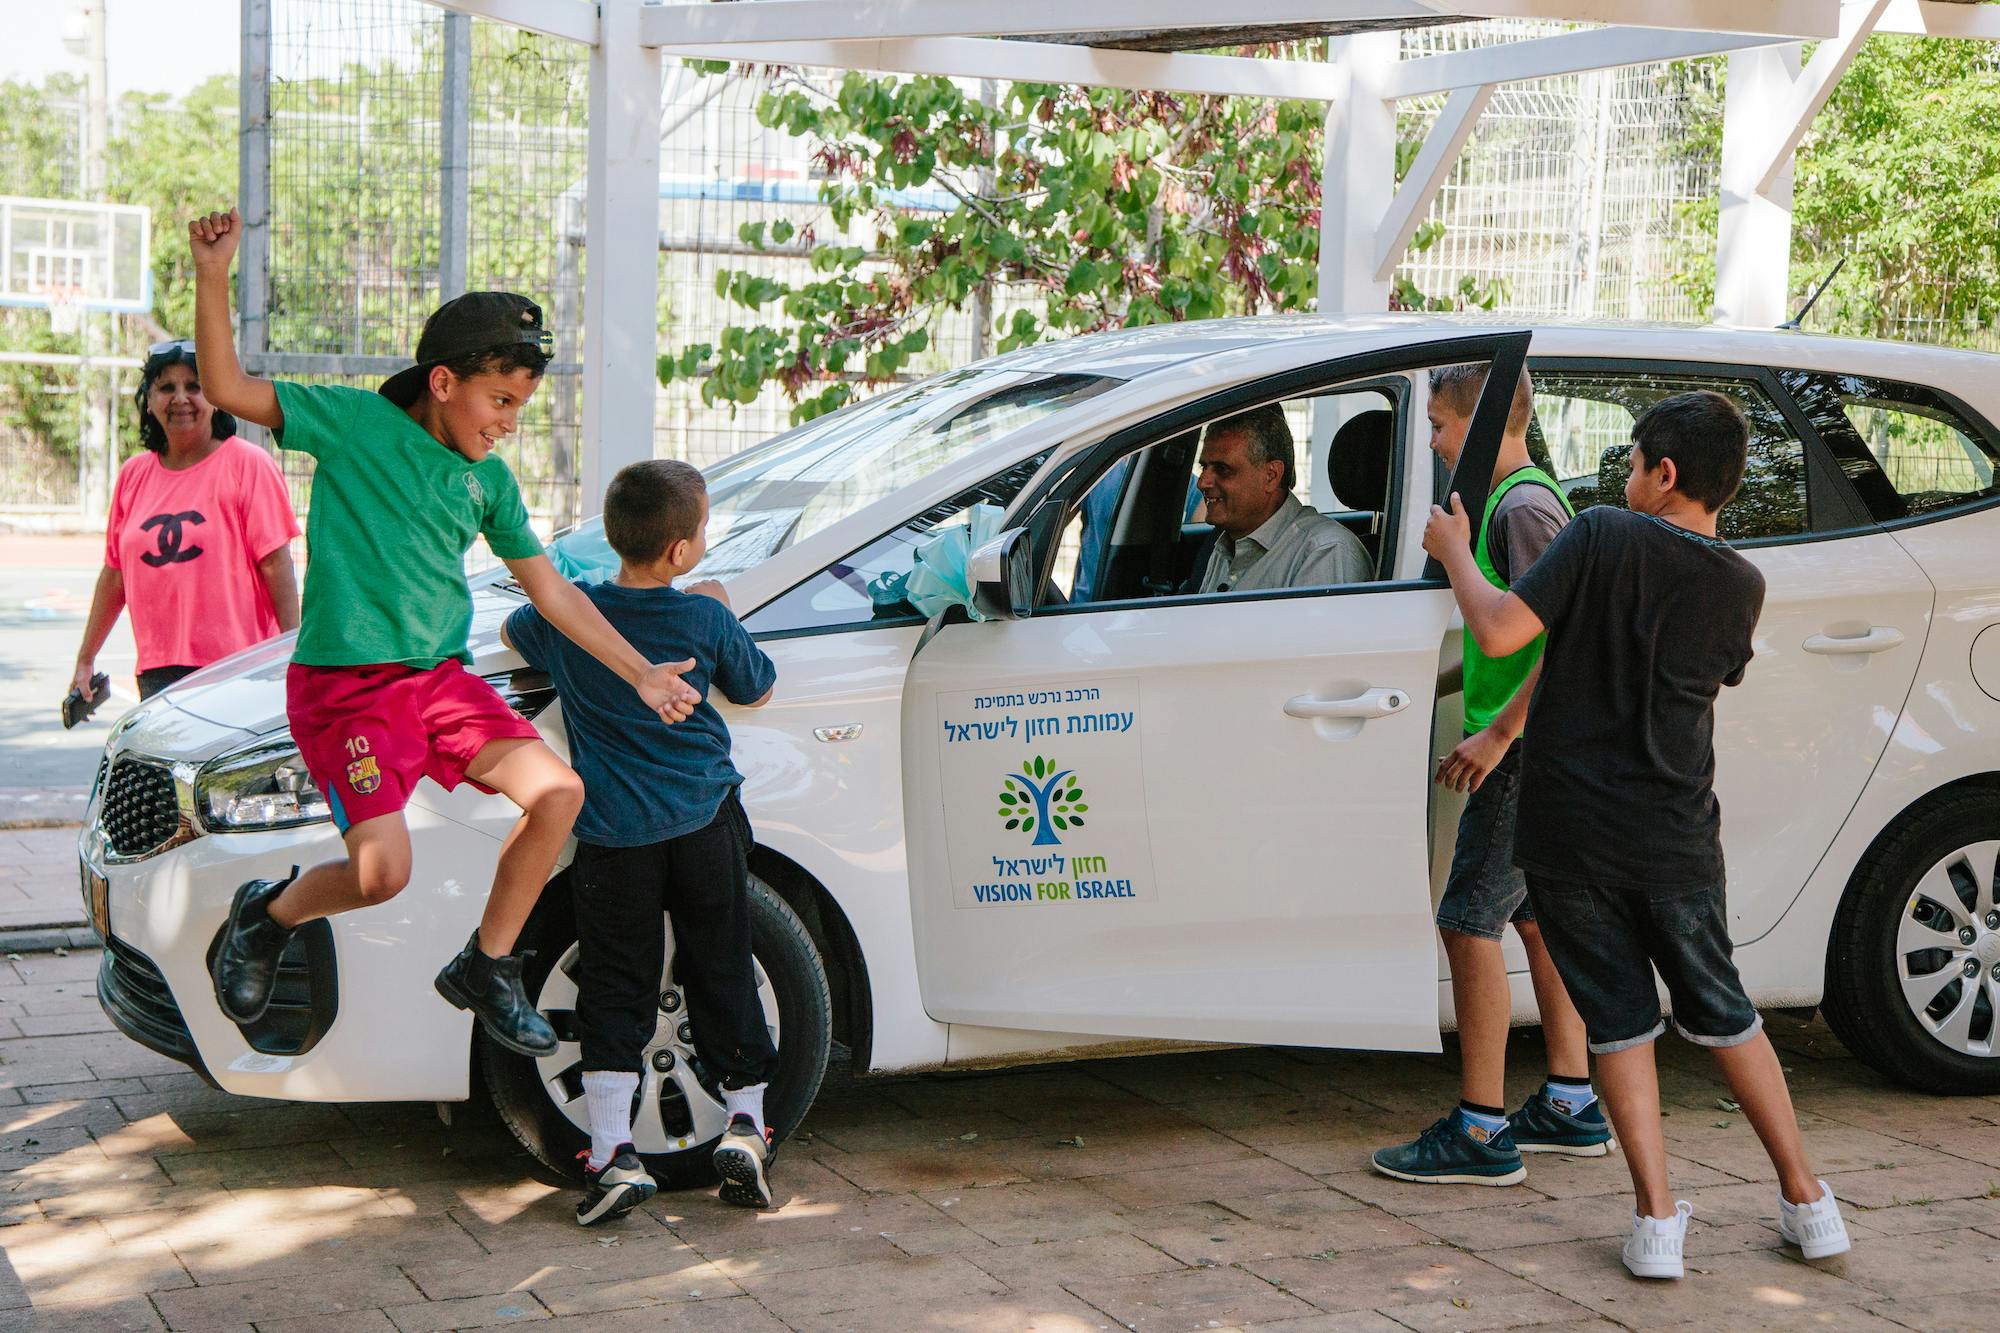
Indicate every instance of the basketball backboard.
{"type": "Point", "coordinates": [57, 252]}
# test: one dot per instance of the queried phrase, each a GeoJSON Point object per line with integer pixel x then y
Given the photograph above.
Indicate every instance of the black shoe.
{"type": "Point", "coordinates": [614, 1191]}
{"type": "Point", "coordinates": [246, 959]}
{"type": "Point", "coordinates": [739, 1157]}
{"type": "Point", "coordinates": [491, 989]}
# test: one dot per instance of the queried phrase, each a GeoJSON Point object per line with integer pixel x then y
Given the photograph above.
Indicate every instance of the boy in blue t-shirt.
{"type": "Point", "coordinates": [661, 830]}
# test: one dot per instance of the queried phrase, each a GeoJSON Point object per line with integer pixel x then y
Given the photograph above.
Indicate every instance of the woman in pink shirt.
{"type": "Point", "coordinates": [198, 542]}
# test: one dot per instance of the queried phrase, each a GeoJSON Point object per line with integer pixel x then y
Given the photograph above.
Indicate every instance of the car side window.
{"type": "Point", "coordinates": [1148, 526]}
{"type": "Point", "coordinates": [1907, 450]}
{"type": "Point", "coordinates": [862, 589]}
{"type": "Point", "coordinates": [1584, 420]}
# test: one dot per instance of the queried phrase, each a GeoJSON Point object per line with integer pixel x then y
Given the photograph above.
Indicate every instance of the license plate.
{"type": "Point", "coordinates": [96, 900]}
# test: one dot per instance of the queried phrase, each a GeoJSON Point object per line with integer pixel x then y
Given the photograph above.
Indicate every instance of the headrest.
{"type": "Point", "coordinates": [1358, 462]}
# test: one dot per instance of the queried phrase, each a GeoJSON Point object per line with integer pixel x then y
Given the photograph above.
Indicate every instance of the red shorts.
{"type": "Point", "coordinates": [368, 733]}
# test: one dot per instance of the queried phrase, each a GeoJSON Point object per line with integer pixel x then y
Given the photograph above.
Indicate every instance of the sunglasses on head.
{"type": "Point", "coordinates": [171, 347]}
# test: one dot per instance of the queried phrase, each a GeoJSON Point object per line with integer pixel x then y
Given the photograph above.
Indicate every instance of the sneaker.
{"type": "Point", "coordinates": [1655, 1247]}
{"type": "Point", "coordinates": [491, 988]}
{"type": "Point", "coordinates": [739, 1157]}
{"type": "Point", "coordinates": [245, 966]}
{"type": "Point", "coordinates": [1542, 1126]}
{"type": "Point", "coordinates": [1445, 1154]}
{"type": "Point", "coordinates": [614, 1191]}
{"type": "Point", "coordinates": [1814, 1227]}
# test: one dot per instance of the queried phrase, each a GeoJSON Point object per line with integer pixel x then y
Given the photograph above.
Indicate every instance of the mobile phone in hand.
{"type": "Point", "coordinates": [76, 706]}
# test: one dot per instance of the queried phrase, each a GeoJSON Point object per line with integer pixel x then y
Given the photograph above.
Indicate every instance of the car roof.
{"type": "Point", "coordinates": [1130, 353]}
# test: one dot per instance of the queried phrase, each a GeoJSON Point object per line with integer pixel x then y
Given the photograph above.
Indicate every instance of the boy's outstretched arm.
{"type": "Point", "coordinates": [1501, 623]}
{"type": "Point", "coordinates": [214, 239]}
{"type": "Point", "coordinates": [565, 607]}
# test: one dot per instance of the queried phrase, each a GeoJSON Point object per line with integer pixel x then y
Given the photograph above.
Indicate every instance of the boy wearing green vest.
{"type": "Point", "coordinates": [1478, 1142]}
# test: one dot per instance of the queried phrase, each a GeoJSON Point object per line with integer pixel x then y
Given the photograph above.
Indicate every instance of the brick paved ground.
{"type": "Point", "coordinates": [1209, 1190]}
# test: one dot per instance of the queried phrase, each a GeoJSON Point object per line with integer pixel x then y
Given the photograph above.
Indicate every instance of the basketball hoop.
{"type": "Point", "coordinates": [65, 308]}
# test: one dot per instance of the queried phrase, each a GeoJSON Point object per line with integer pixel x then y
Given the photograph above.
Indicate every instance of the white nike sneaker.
{"type": "Point", "coordinates": [1655, 1247]}
{"type": "Point", "coordinates": [1814, 1227]}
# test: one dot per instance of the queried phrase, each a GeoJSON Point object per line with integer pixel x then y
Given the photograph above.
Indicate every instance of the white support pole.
{"type": "Point", "coordinates": [1753, 243]}
{"type": "Point", "coordinates": [455, 150]}
{"type": "Point", "coordinates": [1359, 173]}
{"type": "Point", "coordinates": [621, 266]}
{"type": "Point", "coordinates": [1421, 183]}
{"type": "Point", "coordinates": [253, 194]}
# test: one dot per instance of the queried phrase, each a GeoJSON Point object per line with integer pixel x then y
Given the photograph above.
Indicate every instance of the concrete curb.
{"type": "Point", "coordinates": [41, 939]}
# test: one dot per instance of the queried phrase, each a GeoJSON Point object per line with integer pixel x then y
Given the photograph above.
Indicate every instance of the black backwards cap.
{"type": "Point", "coordinates": [466, 326]}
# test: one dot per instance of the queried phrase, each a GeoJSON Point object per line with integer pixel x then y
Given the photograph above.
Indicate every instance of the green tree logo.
{"type": "Point", "coordinates": [1042, 800]}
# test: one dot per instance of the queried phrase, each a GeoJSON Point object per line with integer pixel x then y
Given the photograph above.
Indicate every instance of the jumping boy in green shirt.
{"type": "Point", "coordinates": [377, 694]}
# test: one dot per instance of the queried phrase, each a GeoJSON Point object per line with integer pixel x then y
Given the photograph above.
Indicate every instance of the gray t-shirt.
{"type": "Point", "coordinates": [1524, 523]}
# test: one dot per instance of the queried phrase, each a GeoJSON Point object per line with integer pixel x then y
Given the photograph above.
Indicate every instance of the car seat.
{"type": "Point", "coordinates": [1358, 464]}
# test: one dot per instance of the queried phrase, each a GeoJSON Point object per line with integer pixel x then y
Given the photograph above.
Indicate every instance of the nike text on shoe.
{"type": "Point", "coordinates": [740, 1157]}
{"type": "Point", "coordinates": [246, 956]}
{"type": "Point", "coordinates": [1656, 1244]}
{"type": "Point", "coordinates": [615, 1190]}
{"type": "Point", "coordinates": [1542, 1126]}
{"type": "Point", "coordinates": [1445, 1154]}
{"type": "Point", "coordinates": [1814, 1227]}
{"type": "Point", "coordinates": [491, 989]}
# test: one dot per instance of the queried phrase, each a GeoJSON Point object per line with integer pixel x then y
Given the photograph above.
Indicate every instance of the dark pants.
{"type": "Point", "coordinates": [158, 678]}
{"type": "Point", "coordinates": [1607, 941]}
{"type": "Point", "coordinates": [702, 881]}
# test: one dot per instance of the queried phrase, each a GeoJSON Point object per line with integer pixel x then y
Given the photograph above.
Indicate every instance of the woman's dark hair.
{"type": "Point", "coordinates": [151, 433]}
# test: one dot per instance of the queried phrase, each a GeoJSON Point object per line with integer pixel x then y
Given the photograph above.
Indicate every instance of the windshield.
{"type": "Point", "coordinates": [784, 490]}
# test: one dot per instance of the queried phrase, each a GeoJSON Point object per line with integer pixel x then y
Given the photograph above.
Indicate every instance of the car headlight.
{"type": "Point", "coordinates": [264, 785]}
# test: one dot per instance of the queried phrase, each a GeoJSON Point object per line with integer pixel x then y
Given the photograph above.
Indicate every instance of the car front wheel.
{"type": "Point", "coordinates": [1913, 969]}
{"type": "Point", "coordinates": [677, 1113]}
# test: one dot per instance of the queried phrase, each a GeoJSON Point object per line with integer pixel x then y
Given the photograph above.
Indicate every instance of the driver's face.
{"type": "Point", "coordinates": [1239, 494]}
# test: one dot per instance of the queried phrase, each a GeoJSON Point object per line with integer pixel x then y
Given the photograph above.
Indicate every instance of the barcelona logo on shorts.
{"type": "Point", "coordinates": [363, 775]}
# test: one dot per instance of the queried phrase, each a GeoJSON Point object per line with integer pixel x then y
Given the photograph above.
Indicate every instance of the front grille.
{"type": "Point", "coordinates": [136, 998]}
{"type": "Point", "coordinates": [139, 810]}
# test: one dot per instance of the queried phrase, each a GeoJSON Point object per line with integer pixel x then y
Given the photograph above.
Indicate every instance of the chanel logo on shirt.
{"type": "Point", "coordinates": [169, 537]}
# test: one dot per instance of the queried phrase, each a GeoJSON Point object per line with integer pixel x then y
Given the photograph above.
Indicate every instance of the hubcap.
{"type": "Point", "coordinates": [1948, 950]}
{"type": "Point", "coordinates": [672, 1111]}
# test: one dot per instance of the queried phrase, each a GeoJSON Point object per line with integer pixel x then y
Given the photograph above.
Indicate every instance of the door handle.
{"type": "Point", "coordinates": [1367, 704]}
{"type": "Point", "coordinates": [1879, 638]}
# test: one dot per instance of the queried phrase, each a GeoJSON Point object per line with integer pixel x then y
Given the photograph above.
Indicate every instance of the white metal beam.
{"type": "Point", "coordinates": [1043, 62]}
{"type": "Point", "coordinates": [1564, 53]}
{"type": "Point", "coordinates": [1809, 91]}
{"type": "Point", "coordinates": [1933, 18]}
{"type": "Point", "coordinates": [621, 281]}
{"type": "Point", "coordinates": [571, 20]}
{"type": "Point", "coordinates": [681, 22]}
{"type": "Point", "coordinates": [1420, 184]}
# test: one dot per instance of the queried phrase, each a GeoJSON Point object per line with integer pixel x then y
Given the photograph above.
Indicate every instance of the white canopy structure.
{"type": "Point", "coordinates": [1367, 221]}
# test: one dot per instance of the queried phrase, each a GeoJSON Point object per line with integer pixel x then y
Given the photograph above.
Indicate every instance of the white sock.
{"type": "Point", "coordinates": [746, 1101]}
{"type": "Point", "coordinates": [609, 1095]}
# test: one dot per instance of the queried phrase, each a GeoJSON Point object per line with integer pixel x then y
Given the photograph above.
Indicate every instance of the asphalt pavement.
{"type": "Point", "coordinates": [45, 587]}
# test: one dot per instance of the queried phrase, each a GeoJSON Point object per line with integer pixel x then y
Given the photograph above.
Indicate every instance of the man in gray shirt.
{"type": "Point", "coordinates": [1266, 538]}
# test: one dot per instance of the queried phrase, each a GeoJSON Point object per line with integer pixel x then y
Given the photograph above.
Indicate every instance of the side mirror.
{"type": "Point", "coordinates": [1003, 584]}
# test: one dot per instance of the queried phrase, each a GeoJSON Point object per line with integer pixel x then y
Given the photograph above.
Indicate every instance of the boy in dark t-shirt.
{"type": "Point", "coordinates": [661, 830]}
{"type": "Point", "coordinates": [1648, 615]}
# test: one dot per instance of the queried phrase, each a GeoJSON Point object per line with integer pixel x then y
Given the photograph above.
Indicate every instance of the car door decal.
{"type": "Point", "coordinates": [1044, 796]}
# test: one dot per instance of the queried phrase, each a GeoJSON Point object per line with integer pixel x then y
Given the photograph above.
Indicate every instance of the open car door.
{"type": "Point", "coordinates": [1197, 818]}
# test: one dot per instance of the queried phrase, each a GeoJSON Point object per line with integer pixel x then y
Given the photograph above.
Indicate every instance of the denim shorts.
{"type": "Point", "coordinates": [1485, 890]}
{"type": "Point", "coordinates": [1607, 941]}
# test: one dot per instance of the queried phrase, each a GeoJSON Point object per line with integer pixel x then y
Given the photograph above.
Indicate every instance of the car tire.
{"type": "Point", "coordinates": [1905, 892]}
{"type": "Point", "coordinates": [525, 1091]}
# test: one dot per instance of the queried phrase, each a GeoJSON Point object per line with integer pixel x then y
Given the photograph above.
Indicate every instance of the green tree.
{"type": "Point", "coordinates": [178, 160]}
{"type": "Point", "coordinates": [1087, 208]}
{"type": "Point", "coordinates": [1900, 173]}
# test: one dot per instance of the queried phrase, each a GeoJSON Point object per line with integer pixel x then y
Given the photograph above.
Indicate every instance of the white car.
{"type": "Point", "coordinates": [1110, 814]}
